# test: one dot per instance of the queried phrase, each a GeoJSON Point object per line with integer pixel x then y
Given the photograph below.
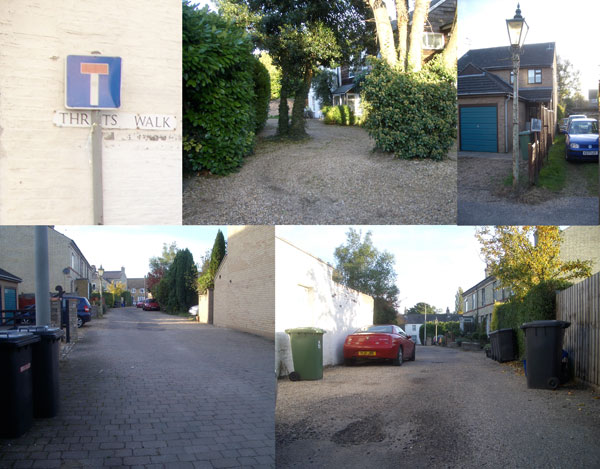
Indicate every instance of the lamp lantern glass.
{"type": "Point", "coordinates": [517, 29]}
{"type": "Point", "coordinates": [100, 271]}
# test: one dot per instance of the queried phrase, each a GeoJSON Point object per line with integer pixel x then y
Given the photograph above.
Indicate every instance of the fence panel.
{"type": "Point", "coordinates": [580, 305]}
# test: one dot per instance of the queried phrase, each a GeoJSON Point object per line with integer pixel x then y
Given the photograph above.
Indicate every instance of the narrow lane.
{"type": "Point", "coordinates": [149, 389]}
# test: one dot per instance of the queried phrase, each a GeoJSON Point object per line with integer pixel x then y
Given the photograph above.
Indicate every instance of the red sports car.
{"type": "Point", "coordinates": [151, 305]}
{"type": "Point", "coordinates": [379, 342]}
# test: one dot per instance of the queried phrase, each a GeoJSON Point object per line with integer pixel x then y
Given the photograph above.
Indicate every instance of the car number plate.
{"type": "Point", "coordinates": [367, 353]}
{"type": "Point", "coordinates": [590, 153]}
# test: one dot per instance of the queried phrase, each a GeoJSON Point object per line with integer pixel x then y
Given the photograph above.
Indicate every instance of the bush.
{"type": "Point", "coordinates": [127, 298]}
{"type": "Point", "coordinates": [262, 95]}
{"type": "Point", "coordinates": [218, 92]}
{"type": "Point", "coordinates": [538, 304]}
{"type": "Point", "coordinates": [338, 115]}
{"type": "Point", "coordinates": [412, 114]}
{"type": "Point", "coordinates": [324, 83]}
{"type": "Point", "coordinates": [109, 299]}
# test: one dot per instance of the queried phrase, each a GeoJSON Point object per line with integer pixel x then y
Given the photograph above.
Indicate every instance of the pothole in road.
{"type": "Point", "coordinates": [367, 430]}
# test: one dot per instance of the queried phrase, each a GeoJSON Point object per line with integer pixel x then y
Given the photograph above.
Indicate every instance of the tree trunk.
{"type": "Point", "coordinates": [402, 15]}
{"type": "Point", "coordinates": [415, 58]}
{"type": "Point", "coordinates": [283, 125]}
{"type": "Point", "coordinates": [449, 54]}
{"type": "Point", "coordinates": [297, 129]}
{"type": "Point", "coordinates": [385, 34]}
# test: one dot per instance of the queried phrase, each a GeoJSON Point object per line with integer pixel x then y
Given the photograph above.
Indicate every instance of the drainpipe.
{"type": "Point", "coordinates": [506, 123]}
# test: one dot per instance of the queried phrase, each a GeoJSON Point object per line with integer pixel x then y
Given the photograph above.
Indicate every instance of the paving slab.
{"type": "Point", "coordinates": [145, 388]}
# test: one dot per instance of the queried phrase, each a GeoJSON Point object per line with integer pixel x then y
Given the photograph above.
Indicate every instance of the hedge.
{"type": "Point", "coordinates": [538, 304]}
{"type": "Point", "coordinates": [262, 95]}
{"type": "Point", "coordinates": [218, 92]}
{"type": "Point", "coordinates": [412, 114]}
{"type": "Point", "coordinates": [338, 115]}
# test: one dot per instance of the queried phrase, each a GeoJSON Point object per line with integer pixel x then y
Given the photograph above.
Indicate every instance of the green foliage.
{"type": "Point", "coordinates": [323, 84]}
{"type": "Point", "coordinates": [412, 114]}
{"type": "Point", "coordinates": [384, 312]}
{"type": "Point", "coordinates": [176, 292]}
{"type": "Point", "coordinates": [523, 257]}
{"type": "Point", "coordinates": [160, 264]}
{"type": "Point", "coordinates": [459, 301]}
{"type": "Point", "coordinates": [126, 295]}
{"type": "Point", "coordinates": [109, 299]}
{"type": "Point", "coordinates": [421, 308]}
{"type": "Point", "coordinates": [443, 328]}
{"type": "Point", "coordinates": [207, 279]}
{"type": "Point", "coordinates": [338, 115]}
{"type": "Point", "coordinates": [274, 74]}
{"type": "Point", "coordinates": [95, 298]}
{"type": "Point", "coordinates": [538, 304]}
{"type": "Point", "coordinates": [359, 265]}
{"type": "Point", "coordinates": [218, 92]}
{"type": "Point", "coordinates": [553, 174]}
{"type": "Point", "coordinates": [262, 95]}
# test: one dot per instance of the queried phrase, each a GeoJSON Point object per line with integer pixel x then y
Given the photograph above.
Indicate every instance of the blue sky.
{"type": "Point", "coordinates": [431, 261]}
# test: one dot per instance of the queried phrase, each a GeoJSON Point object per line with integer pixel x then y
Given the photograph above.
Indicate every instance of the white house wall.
{"type": "Point", "coordinates": [306, 296]}
{"type": "Point", "coordinates": [45, 170]}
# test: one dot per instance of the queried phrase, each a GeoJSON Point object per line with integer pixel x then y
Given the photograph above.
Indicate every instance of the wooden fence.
{"type": "Point", "coordinates": [580, 305]}
{"type": "Point", "coordinates": [539, 149]}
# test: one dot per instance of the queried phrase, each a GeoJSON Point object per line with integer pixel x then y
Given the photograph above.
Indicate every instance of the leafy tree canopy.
{"type": "Point", "coordinates": [160, 264]}
{"type": "Point", "coordinates": [422, 308]}
{"type": "Point", "coordinates": [523, 257]}
{"type": "Point", "coordinates": [361, 266]}
{"type": "Point", "coordinates": [459, 301]}
{"type": "Point", "coordinates": [176, 292]}
{"type": "Point", "coordinates": [207, 279]}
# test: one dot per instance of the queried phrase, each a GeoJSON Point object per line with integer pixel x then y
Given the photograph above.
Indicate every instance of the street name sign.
{"type": "Point", "coordinates": [92, 82]}
{"type": "Point", "coordinates": [115, 120]}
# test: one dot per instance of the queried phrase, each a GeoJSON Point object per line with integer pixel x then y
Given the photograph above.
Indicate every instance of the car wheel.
{"type": "Point", "coordinates": [79, 322]}
{"type": "Point", "coordinates": [398, 360]}
{"type": "Point", "coordinates": [412, 357]}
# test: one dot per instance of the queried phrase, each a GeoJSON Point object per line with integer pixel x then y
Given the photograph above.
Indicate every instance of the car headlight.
{"type": "Point", "coordinates": [574, 145]}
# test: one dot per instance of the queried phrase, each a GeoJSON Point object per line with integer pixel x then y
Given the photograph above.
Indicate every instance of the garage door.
{"type": "Point", "coordinates": [479, 128]}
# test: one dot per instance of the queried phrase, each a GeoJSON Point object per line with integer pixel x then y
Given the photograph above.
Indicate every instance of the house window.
{"type": "Point", "coordinates": [474, 300]}
{"type": "Point", "coordinates": [141, 290]}
{"type": "Point", "coordinates": [512, 77]}
{"type": "Point", "coordinates": [93, 286]}
{"type": "Point", "coordinates": [433, 41]}
{"type": "Point", "coordinates": [72, 261]}
{"type": "Point", "coordinates": [414, 327]}
{"type": "Point", "coordinates": [534, 76]}
{"type": "Point", "coordinates": [133, 290]}
{"type": "Point", "coordinates": [483, 297]}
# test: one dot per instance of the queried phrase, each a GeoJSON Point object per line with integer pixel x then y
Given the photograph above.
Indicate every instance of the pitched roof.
{"type": "Point", "coordinates": [136, 283]}
{"type": "Point", "coordinates": [494, 58]}
{"type": "Point", "coordinates": [5, 275]}
{"type": "Point", "coordinates": [112, 274]}
{"type": "Point", "coordinates": [471, 83]}
{"type": "Point", "coordinates": [343, 89]}
{"type": "Point", "coordinates": [536, 94]}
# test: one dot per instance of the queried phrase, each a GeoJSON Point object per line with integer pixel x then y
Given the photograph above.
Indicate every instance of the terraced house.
{"type": "Point", "coordinates": [485, 95]}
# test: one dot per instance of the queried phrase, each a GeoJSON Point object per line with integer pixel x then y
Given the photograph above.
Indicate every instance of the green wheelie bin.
{"type": "Point", "coordinates": [307, 353]}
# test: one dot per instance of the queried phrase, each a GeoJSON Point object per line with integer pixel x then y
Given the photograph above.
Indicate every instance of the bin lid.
{"type": "Point", "coordinates": [549, 323]}
{"type": "Point", "coordinates": [525, 132]}
{"type": "Point", "coordinates": [45, 331]}
{"type": "Point", "coordinates": [305, 330]}
{"type": "Point", "coordinates": [13, 338]}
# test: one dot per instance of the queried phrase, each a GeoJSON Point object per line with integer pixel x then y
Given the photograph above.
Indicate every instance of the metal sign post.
{"type": "Point", "coordinates": [97, 188]}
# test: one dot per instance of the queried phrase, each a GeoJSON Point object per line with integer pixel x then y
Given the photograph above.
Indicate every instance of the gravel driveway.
{"type": "Point", "coordinates": [449, 408]}
{"type": "Point", "coordinates": [484, 200]}
{"type": "Point", "coordinates": [332, 178]}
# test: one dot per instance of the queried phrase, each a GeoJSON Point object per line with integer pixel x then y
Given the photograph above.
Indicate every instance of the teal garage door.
{"type": "Point", "coordinates": [479, 128]}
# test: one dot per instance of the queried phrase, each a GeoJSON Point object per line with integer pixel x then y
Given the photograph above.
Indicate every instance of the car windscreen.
{"type": "Point", "coordinates": [584, 127]}
{"type": "Point", "coordinates": [388, 329]}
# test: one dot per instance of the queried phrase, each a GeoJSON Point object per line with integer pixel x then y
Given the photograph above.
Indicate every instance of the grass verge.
{"type": "Point", "coordinates": [553, 174]}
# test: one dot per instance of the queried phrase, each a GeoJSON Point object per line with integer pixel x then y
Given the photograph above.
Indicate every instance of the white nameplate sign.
{"type": "Point", "coordinates": [115, 120]}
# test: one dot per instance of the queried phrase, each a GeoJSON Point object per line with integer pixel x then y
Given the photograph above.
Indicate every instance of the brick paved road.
{"type": "Point", "coordinates": [144, 389]}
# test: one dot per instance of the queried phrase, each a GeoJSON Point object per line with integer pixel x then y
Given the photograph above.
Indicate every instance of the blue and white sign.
{"type": "Point", "coordinates": [93, 82]}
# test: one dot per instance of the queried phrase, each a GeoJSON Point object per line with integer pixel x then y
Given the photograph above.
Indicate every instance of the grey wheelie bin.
{"type": "Point", "coordinates": [16, 390]}
{"type": "Point", "coordinates": [46, 389]}
{"type": "Point", "coordinates": [543, 344]}
{"type": "Point", "coordinates": [307, 353]}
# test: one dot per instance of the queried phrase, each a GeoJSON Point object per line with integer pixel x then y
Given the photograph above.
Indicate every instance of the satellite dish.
{"type": "Point", "coordinates": [66, 270]}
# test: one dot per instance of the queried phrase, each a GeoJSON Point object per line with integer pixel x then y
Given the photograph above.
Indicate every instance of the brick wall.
{"type": "Point", "coordinates": [244, 296]}
{"type": "Point", "coordinates": [581, 242]}
{"type": "Point", "coordinates": [45, 169]}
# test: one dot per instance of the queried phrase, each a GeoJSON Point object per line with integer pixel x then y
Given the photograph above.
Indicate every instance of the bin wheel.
{"type": "Point", "coordinates": [553, 383]}
{"type": "Point", "coordinates": [294, 376]}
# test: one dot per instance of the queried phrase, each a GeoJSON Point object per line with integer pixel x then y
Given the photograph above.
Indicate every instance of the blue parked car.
{"type": "Point", "coordinates": [582, 140]}
{"type": "Point", "coordinates": [83, 311]}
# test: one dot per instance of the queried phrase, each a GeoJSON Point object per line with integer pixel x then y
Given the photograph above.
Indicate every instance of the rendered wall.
{"type": "Point", "coordinates": [45, 171]}
{"type": "Point", "coordinates": [306, 296]}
